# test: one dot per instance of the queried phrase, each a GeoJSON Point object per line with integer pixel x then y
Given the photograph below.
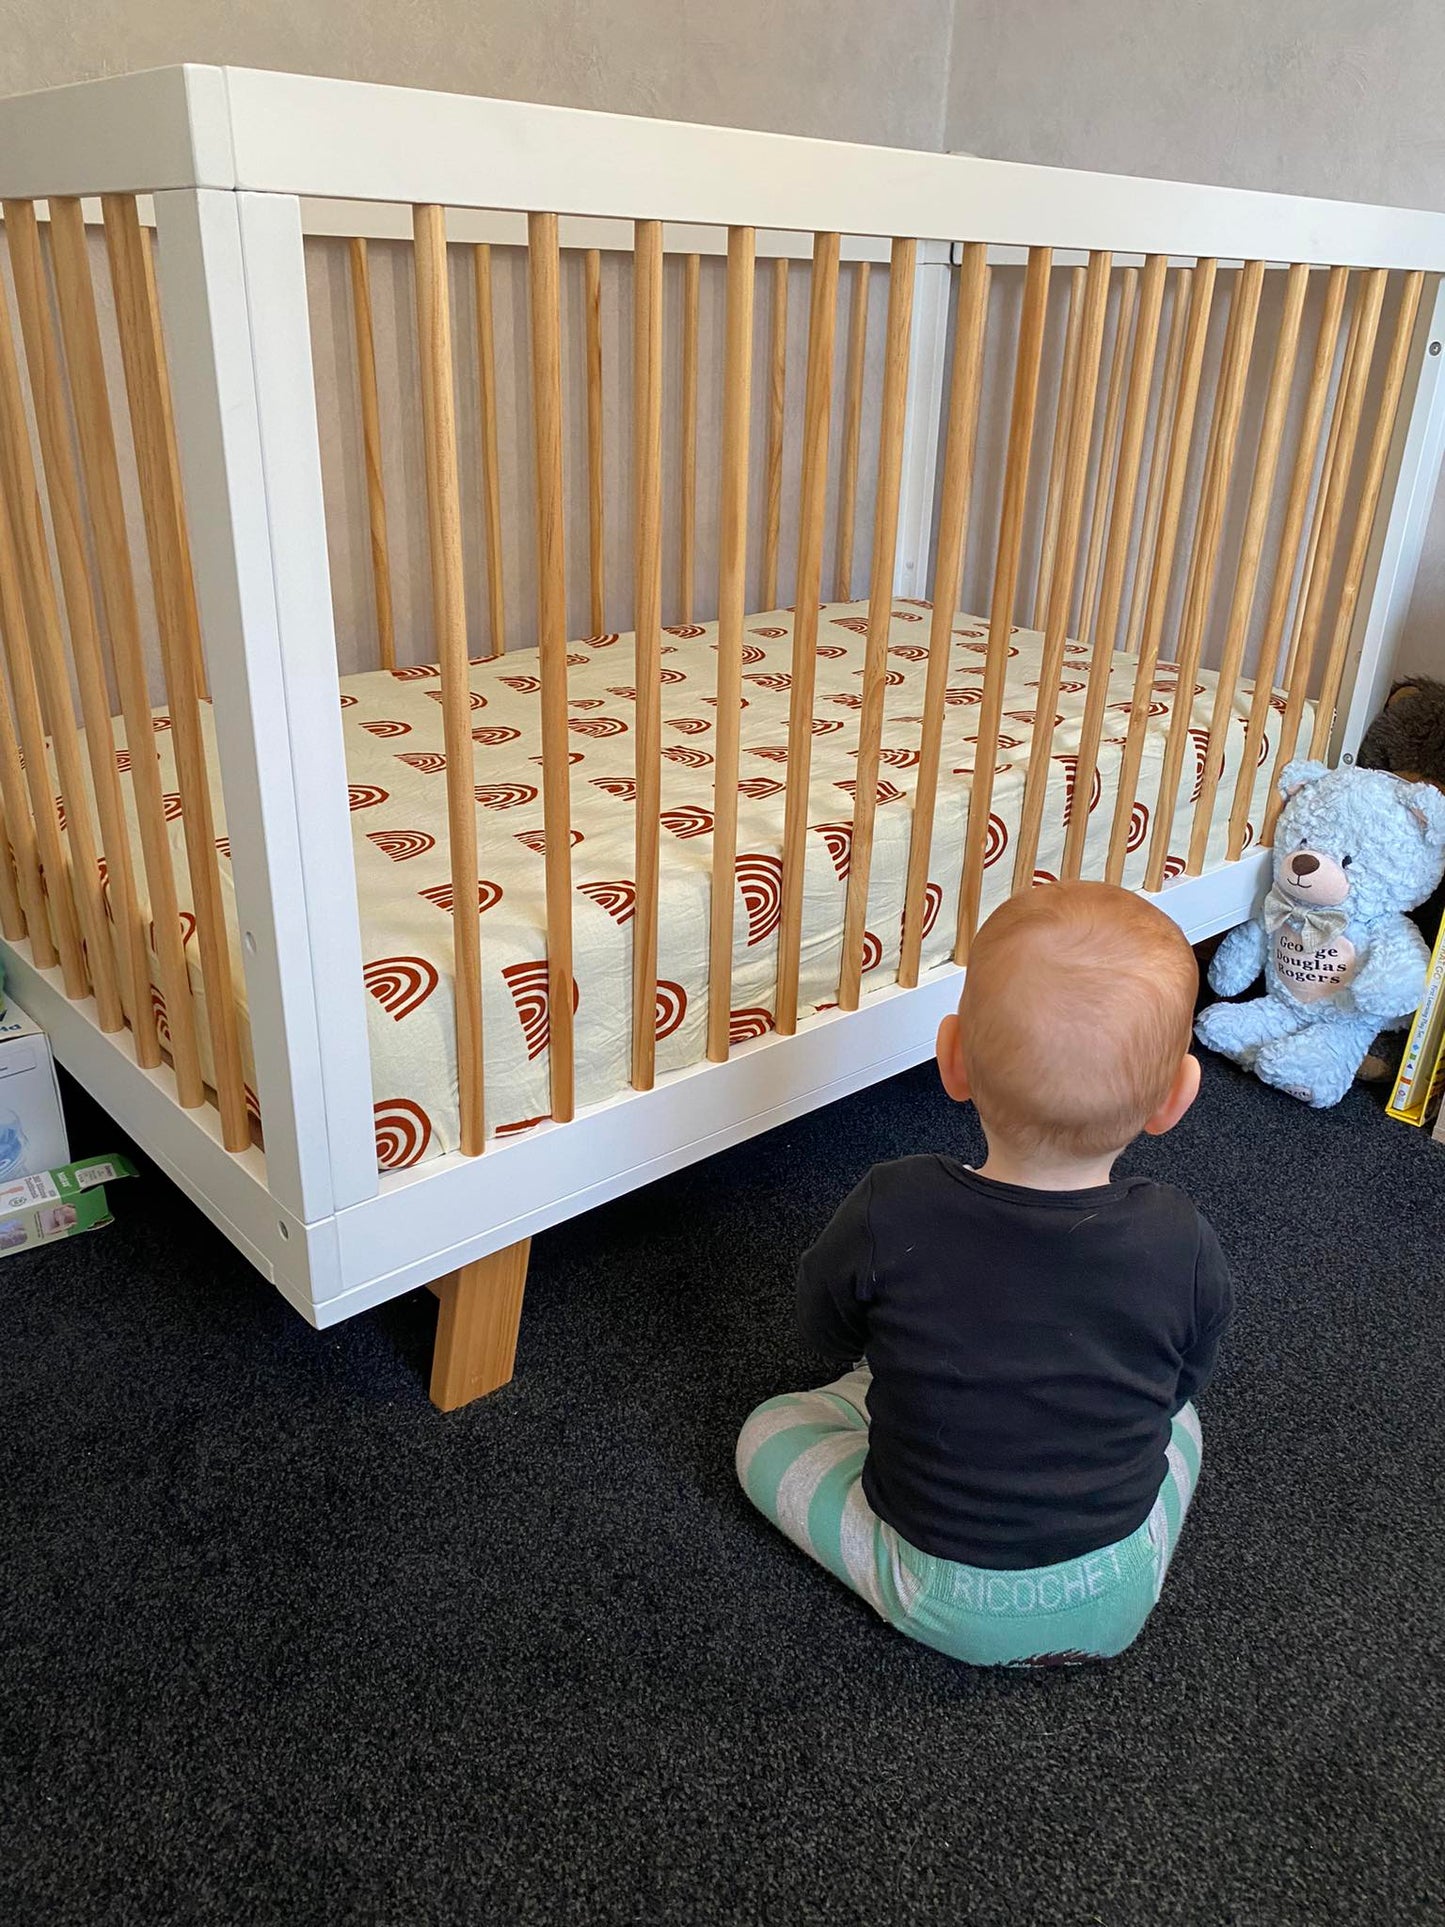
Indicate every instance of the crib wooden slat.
{"type": "Point", "coordinates": [596, 510]}
{"type": "Point", "coordinates": [1349, 408]}
{"type": "Point", "coordinates": [732, 591]}
{"type": "Point", "coordinates": [1159, 457]}
{"type": "Point", "coordinates": [1062, 409]}
{"type": "Point", "coordinates": [1287, 553]}
{"type": "Point", "coordinates": [54, 868]}
{"type": "Point", "coordinates": [128, 960]}
{"type": "Point", "coordinates": [1028, 354]}
{"type": "Point", "coordinates": [22, 903]}
{"type": "Point", "coordinates": [123, 983]}
{"type": "Point", "coordinates": [1093, 307]}
{"type": "Point", "coordinates": [1369, 502]}
{"type": "Point", "coordinates": [1208, 527]}
{"type": "Point", "coordinates": [189, 609]}
{"type": "Point", "coordinates": [852, 432]}
{"type": "Point", "coordinates": [647, 621]}
{"type": "Point", "coordinates": [544, 286]}
{"type": "Point", "coordinates": [1251, 551]}
{"type": "Point", "coordinates": [902, 271]}
{"type": "Point", "coordinates": [47, 647]}
{"type": "Point", "coordinates": [812, 507]}
{"type": "Point", "coordinates": [1113, 405]}
{"type": "Point", "coordinates": [365, 343]}
{"type": "Point", "coordinates": [95, 440]}
{"type": "Point", "coordinates": [777, 398]}
{"type": "Point", "coordinates": [687, 535]}
{"type": "Point", "coordinates": [490, 462]}
{"type": "Point", "coordinates": [1181, 436]}
{"type": "Point", "coordinates": [970, 332]}
{"type": "Point", "coordinates": [1121, 523]}
{"type": "Point", "coordinates": [1317, 517]}
{"type": "Point", "coordinates": [449, 621]}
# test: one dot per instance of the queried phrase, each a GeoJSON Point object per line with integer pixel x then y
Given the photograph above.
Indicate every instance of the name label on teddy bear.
{"type": "Point", "coordinates": [1312, 974]}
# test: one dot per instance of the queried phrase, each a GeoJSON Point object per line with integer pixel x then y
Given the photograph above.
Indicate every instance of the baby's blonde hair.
{"type": "Point", "coordinates": [1075, 1017]}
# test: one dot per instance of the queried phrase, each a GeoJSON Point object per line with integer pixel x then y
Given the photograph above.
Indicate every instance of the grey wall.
{"type": "Point", "coordinates": [1323, 96]}
{"type": "Point", "coordinates": [1336, 97]}
{"type": "Point", "coordinates": [870, 70]}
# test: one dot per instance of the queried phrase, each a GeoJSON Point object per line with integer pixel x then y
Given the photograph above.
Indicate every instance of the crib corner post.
{"type": "Point", "coordinates": [1411, 480]}
{"type": "Point", "coordinates": [923, 415]}
{"type": "Point", "coordinates": [232, 289]}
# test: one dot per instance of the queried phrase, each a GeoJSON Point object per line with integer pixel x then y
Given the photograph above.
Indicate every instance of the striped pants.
{"type": "Point", "coordinates": [800, 1460]}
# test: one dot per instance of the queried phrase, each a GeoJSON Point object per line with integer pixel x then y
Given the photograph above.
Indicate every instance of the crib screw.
{"type": "Point", "coordinates": [1434, 347]}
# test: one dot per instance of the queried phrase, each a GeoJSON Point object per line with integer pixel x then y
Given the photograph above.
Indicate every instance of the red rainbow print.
{"type": "Point", "coordinates": [671, 1008]}
{"type": "Point", "coordinates": [505, 796]}
{"type": "Point", "coordinates": [385, 728]}
{"type": "Point", "coordinates": [490, 735]}
{"type": "Point", "coordinates": [401, 845]}
{"type": "Point", "coordinates": [400, 984]}
{"type": "Point", "coordinates": [995, 840]}
{"type": "Point", "coordinates": [618, 897]}
{"type": "Point", "coordinates": [689, 725]}
{"type": "Point", "coordinates": [623, 786]}
{"type": "Point", "coordinates": [403, 1132]}
{"type": "Point", "coordinates": [528, 985]}
{"type": "Point", "coordinates": [537, 839]}
{"type": "Point", "coordinates": [838, 837]}
{"type": "Point", "coordinates": [760, 786]}
{"type": "Point", "coordinates": [597, 725]}
{"type": "Point", "coordinates": [745, 1025]}
{"type": "Point", "coordinates": [687, 758]}
{"type": "Point", "coordinates": [475, 700]}
{"type": "Point", "coordinates": [525, 685]}
{"type": "Point", "coordinates": [1071, 777]}
{"type": "Point", "coordinates": [760, 885]}
{"type": "Point", "coordinates": [686, 822]}
{"type": "Point", "coordinates": [366, 796]}
{"type": "Point", "coordinates": [444, 896]}
{"type": "Point", "coordinates": [429, 761]}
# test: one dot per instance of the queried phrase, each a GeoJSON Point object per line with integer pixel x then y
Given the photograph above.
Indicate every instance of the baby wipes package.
{"type": "Point", "coordinates": [32, 1126]}
{"type": "Point", "coordinates": [58, 1204]}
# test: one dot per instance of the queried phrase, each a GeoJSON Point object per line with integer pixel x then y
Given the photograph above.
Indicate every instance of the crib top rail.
{"type": "Point", "coordinates": [239, 128]}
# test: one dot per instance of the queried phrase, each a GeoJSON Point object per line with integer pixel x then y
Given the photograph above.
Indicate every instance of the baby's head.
{"type": "Point", "coordinates": [1072, 1034]}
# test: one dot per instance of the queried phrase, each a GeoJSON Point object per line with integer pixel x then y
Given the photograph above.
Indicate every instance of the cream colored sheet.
{"type": "Point", "coordinates": [393, 732]}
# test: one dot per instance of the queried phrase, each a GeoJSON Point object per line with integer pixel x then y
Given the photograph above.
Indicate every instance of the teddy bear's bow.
{"type": "Point", "coordinates": [1314, 926]}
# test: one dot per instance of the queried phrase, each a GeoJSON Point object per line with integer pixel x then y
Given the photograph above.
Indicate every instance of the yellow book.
{"type": "Point", "coordinates": [1422, 1068]}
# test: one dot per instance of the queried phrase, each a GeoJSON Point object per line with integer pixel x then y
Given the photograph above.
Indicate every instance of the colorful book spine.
{"type": "Point", "coordinates": [1422, 1068]}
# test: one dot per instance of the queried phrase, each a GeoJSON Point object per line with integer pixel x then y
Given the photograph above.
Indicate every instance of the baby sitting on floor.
{"type": "Point", "coordinates": [1005, 1474]}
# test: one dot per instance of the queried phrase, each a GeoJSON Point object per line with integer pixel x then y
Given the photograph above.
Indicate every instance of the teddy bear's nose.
{"type": "Point", "coordinates": [1305, 865]}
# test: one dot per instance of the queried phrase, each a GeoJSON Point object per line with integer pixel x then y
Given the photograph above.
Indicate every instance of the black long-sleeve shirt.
{"type": "Point", "coordinates": [1028, 1351]}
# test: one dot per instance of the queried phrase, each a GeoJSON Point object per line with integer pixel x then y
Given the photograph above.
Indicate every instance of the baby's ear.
{"type": "Point", "coordinates": [1426, 807]}
{"type": "Point", "coordinates": [1299, 775]}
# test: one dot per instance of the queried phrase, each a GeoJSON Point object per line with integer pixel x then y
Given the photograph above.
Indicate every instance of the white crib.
{"type": "Point", "coordinates": [1177, 441]}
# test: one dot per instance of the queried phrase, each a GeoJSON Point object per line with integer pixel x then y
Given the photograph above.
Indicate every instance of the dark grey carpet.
{"type": "Point", "coordinates": [283, 1645]}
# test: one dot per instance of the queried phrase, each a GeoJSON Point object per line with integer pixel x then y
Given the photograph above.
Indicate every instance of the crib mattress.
{"type": "Point", "coordinates": [392, 723]}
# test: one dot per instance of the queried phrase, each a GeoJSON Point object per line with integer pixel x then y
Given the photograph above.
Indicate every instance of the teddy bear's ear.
{"type": "Point", "coordinates": [1426, 808]}
{"type": "Point", "coordinates": [1298, 775]}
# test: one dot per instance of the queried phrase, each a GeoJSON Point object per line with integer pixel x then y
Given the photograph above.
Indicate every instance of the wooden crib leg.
{"type": "Point", "coordinates": [476, 1345]}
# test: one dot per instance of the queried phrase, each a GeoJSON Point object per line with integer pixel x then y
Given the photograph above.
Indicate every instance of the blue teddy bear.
{"type": "Point", "coordinates": [1354, 849]}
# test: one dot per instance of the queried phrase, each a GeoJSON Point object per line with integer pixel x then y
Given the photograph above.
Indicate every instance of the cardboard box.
{"type": "Point", "coordinates": [32, 1125]}
{"type": "Point", "coordinates": [58, 1204]}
